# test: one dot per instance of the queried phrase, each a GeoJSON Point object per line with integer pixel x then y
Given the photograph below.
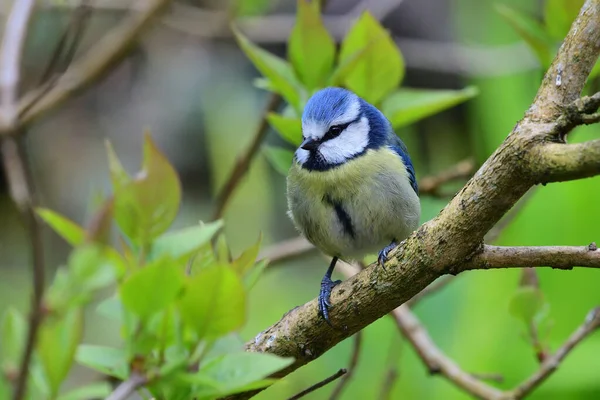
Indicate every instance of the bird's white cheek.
{"type": "Point", "coordinates": [302, 155]}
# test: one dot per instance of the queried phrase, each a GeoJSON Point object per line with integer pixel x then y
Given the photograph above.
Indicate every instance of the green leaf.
{"type": "Point", "coordinates": [351, 61]}
{"type": "Point", "coordinates": [531, 31]}
{"type": "Point", "coordinates": [90, 268]}
{"type": "Point", "coordinates": [289, 128]}
{"type": "Point", "coordinates": [107, 360]}
{"type": "Point", "coordinates": [281, 159]}
{"type": "Point", "coordinates": [151, 288]}
{"type": "Point", "coordinates": [12, 339]}
{"type": "Point", "coordinates": [185, 242]}
{"type": "Point", "coordinates": [223, 254]}
{"type": "Point", "coordinates": [242, 264]}
{"type": "Point", "coordinates": [380, 70]}
{"type": "Point", "coordinates": [527, 304]}
{"type": "Point", "coordinates": [56, 346]}
{"type": "Point", "coordinates": [98, 230]}
{"type": "Point", "coordinates": [214, 302]}
{"type": "Point", "coordinates": [96, 390]}
{"type": "Point", "coordinates": [146, 206]}
{"type": "Point", "coordinates": [241, 8]}
{"type": "Point", "coordinates": [405, 106]}
{"type": "Point", "coordinates": [67, 229]}
{"type": "Point", "coordinates": [559, 15]}
{"type": "Point", "coordinates": [255, 272]}
{"type": "Point", "coordinates": [237, 372]}
{"type": "Point", "coordinates": [118, 175]}
{"type": "Point", "coordinates": [276, 70]}
{"type": "Point", "coordinates": [311, 48]}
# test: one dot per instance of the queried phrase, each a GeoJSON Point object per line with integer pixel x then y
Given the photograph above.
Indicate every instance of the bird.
{"type": "Point", "coordinates": [351, 188]}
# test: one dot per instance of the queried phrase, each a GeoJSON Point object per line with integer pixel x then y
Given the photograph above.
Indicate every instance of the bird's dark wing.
{"type": "Point", "coordinates": [399, 147]}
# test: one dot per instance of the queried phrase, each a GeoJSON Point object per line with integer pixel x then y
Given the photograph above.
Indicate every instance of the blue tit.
{"type": "Point", "coordinates": [351, 189]}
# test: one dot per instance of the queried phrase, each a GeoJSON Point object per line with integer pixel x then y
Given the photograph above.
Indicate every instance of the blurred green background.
{"type": "Point", "coordinates": [192, 88]}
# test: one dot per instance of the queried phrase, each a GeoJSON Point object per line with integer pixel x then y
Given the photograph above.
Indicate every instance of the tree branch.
{"type": "Point", "coordinates": [557, 162]}
{"type": "Point", "coordinates": [126, 388]}
{"type": "Point", "coordinates": [559, 257]}
{"type": "Point", "coordinates": [591, 323]}
{"type": "Point", "coordinates": [461, 170]}
{"type": "Point", "coordinates": [319, 385]}
{"type": "Point", "coordinates": [455, 236]}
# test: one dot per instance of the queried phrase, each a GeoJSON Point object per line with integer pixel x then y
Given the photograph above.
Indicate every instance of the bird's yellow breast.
{"type": "Point", "coordinates": [350, 177]}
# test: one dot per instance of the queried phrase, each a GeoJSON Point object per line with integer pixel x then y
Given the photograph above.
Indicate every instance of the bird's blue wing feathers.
{"type": "Point", "coordinates": [398, 146]}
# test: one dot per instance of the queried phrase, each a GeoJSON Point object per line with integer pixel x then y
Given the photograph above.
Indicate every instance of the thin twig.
{"type": "Point", "coordinates": [591, 323]}
{"type": "Point", "coordinates": [432, 184]}
{"type": "Point", "coordinates": [351, 367]}
{"type": "Point", "coordinates": [126, 388]}
{"type": "Point", "coordinates": [13, 42]}
{"type": "Point", "coordinates": [388, 384]}
{"type": "Point", "coordinates": [319, 385]}
{"type": "Point", "coordinates": [106, 53]}
{"type": "Point", "coordinates": [243, 163]}
{"type": "Point", "coordinates": [286, 249]}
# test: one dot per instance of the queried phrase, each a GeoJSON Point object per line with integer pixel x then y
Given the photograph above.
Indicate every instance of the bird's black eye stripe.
{"type": "Point", "coordinates": [335, 131]}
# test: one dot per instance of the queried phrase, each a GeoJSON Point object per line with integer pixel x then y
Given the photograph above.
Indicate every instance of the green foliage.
{"type": "Point", "coordinates": [528, 304]}
{"type": "Point", "coordinates": [67, 229]}
{"type": "Point", "coordinates": [176, 297]}
{"type": "Point", "coordinates": [368, 63]}
{"type": "Point", "coordinates": [311, 48]}
{"type": "Point", "coordinates": [405, 106]}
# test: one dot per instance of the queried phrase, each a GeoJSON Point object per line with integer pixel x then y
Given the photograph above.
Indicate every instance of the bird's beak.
{"type": "Point", "coordinates": [310, 144]}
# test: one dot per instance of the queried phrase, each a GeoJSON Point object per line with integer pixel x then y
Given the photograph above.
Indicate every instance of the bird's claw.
{"type": "Point", "coordinates": [326, 286]}
{"type": "Point", "coordinates": [384, 253]}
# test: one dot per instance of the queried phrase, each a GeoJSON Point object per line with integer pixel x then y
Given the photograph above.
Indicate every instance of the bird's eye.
{"type": "Point", "coordinates": [334, 131]}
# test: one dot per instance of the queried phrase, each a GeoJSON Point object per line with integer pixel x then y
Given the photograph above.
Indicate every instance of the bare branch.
{"type": "Point", "coordinates": [13, 42]}
{"type": "Point", "coordinates": [591, 323]}
{"type": "Point", "coordinates": [436, 361]}
{"type": "Point", "coordinates": [461, 170]}
{"type": "Point", "coordinates": [243, 163]}
{"type": "Point", "coordinates": [319, 385]}
{"type": "Point", "coordinates": [558, 162]}
{"type": "Point", "coordinates": [559, 257]}
{"type": "Point", "coordinates": [126, 388]}
{"type": "Point", "coordinates": [388, 384]}
{"type": "Point", "coordinates": [109, 50]}
{"type": "Point", "coordinates": [286, 249]}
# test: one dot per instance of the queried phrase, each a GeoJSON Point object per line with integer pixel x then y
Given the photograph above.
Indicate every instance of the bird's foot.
{"type": "Point", "coordinates": [326, 286]}
{"type": "Point", "coordinates": [383, 254]}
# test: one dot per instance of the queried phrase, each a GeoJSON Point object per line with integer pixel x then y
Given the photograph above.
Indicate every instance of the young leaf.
{"type": "Point", "coordinates": [289, 128]}
{"type": "Point", "coordinates": [405, 106]}
{"type": "Point", "coordinates": [146, 206]}
{"type": "Point", "coordinates": [252, 276]}
{"type": "Point", "coordinates": [214, 302]}
{"type": "Point", "coordinates": [96, 390]}
{"type": "Point", "coordinates": [56, 346]}
{"type": "Point", "coordinates": [118, 175]}
{"type": "Point", "coordinates": [527, 303]}
{"type": "Point", "coordinates": [107, 360]}
{"type": "Point", "coordinates": [379, 71]}
{"type": "Point", "coordinates": [351, 61]}
{"type": "Point", "coordinates": [559, 15]}
{"type": "Point", "coordinates": [222, 252]}
{"type": "Point", "coordinates": [235, 372]}
{"type": "Point", "coordinates": [67, 229]}
{"type": "Point", "coordinates": [98, 230]}
{"type": "Point", "coordinates": [531, 31]}
{"type": "Point", "coordinates": [247, 258]}
{"type": "Point", "coordinates": [281, 159]}
{"type": "Point", "coordinates": [111, 308]}
{"type": "Point", "coordinates": [152, 288]}
{"type": "Point", "coordinates": [311, 48]}
{"type": "Point", "coordinates": [12, 339]}
{"type": "Point", "coordinates": [276, 70]}
{"type": "Point", "coordinates": [185, 242]}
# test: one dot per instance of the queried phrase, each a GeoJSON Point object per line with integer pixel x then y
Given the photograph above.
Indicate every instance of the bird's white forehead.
{"type": "Point", "coordinates": [316, 128]}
